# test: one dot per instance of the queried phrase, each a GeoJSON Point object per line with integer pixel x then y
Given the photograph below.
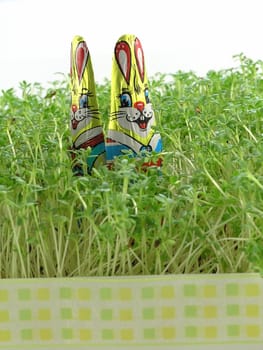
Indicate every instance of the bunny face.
{"type": "Point", "coordinates": [84, 121]}
{"type": "Point", "coordinates": [137, 116]}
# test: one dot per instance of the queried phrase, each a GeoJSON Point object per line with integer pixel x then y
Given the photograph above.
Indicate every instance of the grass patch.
{"type": "Point", "coordinates": [202, 214]}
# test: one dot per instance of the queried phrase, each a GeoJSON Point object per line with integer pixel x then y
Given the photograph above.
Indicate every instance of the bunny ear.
{"type": "Point", "coordinates": [81, 58]}
{"type": "Point", "coordinates": [123, 58]}
{"type": "Point", "coordinates": [139, 57]}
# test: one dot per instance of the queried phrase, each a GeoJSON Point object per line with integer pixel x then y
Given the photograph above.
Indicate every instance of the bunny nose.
{"type": "Point", "coordinates": [139, 105]}
{"type": "Point", "coordinates": [74, 108]}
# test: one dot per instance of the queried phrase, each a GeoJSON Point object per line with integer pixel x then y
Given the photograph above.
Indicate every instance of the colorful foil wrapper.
{"type": "Point", "coordinates": [85, 122]}
{"type": "Point", "coordinates": [132, 120]}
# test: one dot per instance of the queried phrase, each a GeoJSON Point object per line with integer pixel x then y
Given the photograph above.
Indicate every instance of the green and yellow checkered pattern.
{"type": "Point", "coordinates": [133, 312]}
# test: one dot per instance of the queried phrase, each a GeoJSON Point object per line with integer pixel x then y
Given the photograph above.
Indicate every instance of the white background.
{"type": "Point", "coordinates": [196, 35]}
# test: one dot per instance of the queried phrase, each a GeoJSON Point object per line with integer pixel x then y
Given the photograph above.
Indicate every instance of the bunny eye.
{"type": "Point", "coordinates": [83, 101]}
{"type": "Point", "coordinates": [125, 100]}
{"type": "Point", "coordinates": [146, 94]}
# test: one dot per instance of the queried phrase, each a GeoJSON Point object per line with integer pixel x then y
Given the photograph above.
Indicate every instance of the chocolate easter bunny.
{"type": "Point", "coordinates": [132, 121]}
{"type": "Point", "coordinates": [85, 119]}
